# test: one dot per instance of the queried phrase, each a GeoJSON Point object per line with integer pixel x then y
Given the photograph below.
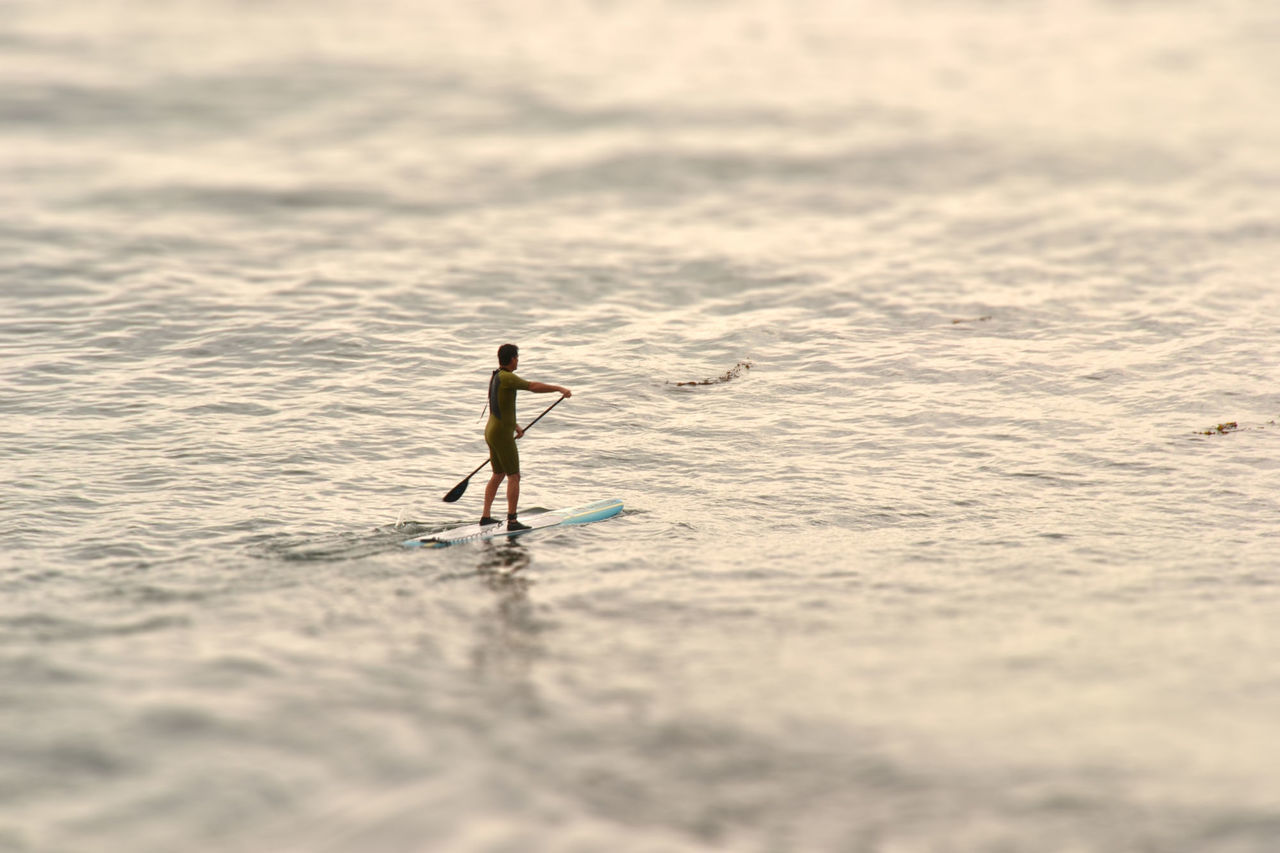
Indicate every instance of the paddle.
{"type": "Point", "coordinates": [456, 491]}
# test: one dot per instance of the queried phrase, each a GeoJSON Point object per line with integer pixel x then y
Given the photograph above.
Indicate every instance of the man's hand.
{"type": "Point", "coordinates": [519, 431]}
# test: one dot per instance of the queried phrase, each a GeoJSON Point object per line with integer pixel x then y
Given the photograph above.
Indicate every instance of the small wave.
{"type": "Point", "coordinates": [44, 627]}
{"type": "Point", "coordinates": [331, 548]}
{"type": "Point", "coordinates": [232, 408]}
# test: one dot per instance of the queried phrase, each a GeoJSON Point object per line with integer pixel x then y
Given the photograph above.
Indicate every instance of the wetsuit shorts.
{"type": "Point", "coordinates": [503, 455]}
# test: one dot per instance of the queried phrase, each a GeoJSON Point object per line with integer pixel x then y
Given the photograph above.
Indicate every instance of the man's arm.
{"type": "Point", "coordinates": [544, 388]}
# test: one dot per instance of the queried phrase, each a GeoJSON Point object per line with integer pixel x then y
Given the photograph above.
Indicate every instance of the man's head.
{"type": "Point", "coordinates": [507, 355]}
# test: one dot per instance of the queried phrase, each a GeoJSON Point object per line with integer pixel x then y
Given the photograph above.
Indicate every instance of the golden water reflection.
{"type": "Point", "coordinates": [509, 637]}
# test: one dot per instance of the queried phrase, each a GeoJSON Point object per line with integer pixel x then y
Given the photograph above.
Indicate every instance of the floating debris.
{"type": "Point", "coordinates": [732, 373]}
{"type": "Point", "coordinates": [982, 319]}
{"type": "Point", "coordinates": [1232, 426]}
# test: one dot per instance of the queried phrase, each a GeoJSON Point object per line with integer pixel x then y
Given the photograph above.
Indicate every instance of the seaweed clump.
{"type": "Point", "coordinates": [1231, 426]}
{"type": "Point", "coordinates": [730, 374]}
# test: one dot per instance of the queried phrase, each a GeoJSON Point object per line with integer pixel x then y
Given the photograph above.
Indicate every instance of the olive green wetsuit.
{"type": "Point", "coordinates": [500, 432]}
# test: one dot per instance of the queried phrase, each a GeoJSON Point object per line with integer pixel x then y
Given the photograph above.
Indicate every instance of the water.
{"type": "Point", "coordinates": [961, 563]}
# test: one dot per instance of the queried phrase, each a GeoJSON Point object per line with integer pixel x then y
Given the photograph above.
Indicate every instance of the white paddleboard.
{"type": "Point", "coordinates": [585, 514]}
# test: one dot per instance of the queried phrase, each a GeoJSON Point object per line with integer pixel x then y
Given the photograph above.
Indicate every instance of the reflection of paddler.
{"type": "Point", "coordinates": [501, 432]}
{"type": "Point", "coordinates": [501, 562]}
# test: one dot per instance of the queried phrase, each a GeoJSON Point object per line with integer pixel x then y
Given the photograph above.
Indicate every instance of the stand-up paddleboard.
{"type": "Point", "coordinates": [585, 514]}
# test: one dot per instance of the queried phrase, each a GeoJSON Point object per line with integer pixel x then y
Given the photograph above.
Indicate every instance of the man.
{"type": "Point", "coordinates": [502, 431]}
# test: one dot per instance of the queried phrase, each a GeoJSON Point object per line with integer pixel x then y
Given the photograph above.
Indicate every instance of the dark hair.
{"type": "Point", "coordinates": [506, 352]}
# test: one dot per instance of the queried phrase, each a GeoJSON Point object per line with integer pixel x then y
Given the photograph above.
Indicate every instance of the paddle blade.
{"type": "Point", "coordinates": [456, 491]}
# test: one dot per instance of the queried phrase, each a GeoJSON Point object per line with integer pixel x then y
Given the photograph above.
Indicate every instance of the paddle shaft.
{"type": "Point", "coordinates": [456, 491]}
{"type": "Point", "coordinates": [544, 412]}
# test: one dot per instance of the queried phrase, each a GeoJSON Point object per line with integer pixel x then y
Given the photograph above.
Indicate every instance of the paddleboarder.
{"type": "Point", "coordinates": [501, 432]}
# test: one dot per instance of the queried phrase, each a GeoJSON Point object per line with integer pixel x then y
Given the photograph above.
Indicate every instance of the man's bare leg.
{"type": "Point", "coordinates": [513, 494]}
{"type": "Point", "coordinates": [491, 492]}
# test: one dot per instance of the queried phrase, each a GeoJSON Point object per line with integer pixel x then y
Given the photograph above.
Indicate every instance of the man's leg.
{"type": "Point", "coordinates": [513, 494]}
{"type": "Point", "coordinates": [491, 492]}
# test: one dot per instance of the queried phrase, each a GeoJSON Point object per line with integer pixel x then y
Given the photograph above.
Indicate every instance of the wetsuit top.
{"type": "Point", "coordinates": [502, 396]}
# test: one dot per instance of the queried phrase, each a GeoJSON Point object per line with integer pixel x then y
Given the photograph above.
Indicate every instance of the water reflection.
{"type": "Point", "coordinates": [501, 560]}
{"type": "Point", "coordinates": [509, 636]}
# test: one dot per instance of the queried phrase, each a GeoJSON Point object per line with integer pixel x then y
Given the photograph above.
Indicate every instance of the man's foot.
{"type": "Point", "coordinates": [512, 524]}
{"type": "Point", "coordinates": [488, 520]}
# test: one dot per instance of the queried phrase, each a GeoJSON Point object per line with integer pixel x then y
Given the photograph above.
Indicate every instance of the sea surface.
{"type": "Point", "coordinates": [964, 539]}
